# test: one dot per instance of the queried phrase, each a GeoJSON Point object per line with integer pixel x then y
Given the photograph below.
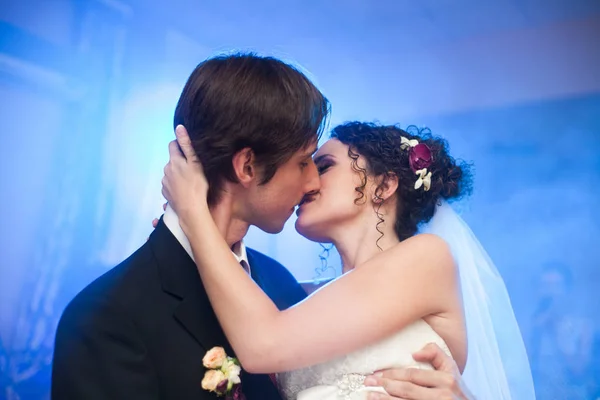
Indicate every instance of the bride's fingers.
{"type": "Point", "coordinates": [164, 191]}
{"type": "Point", "coordinates": [419, 377]}
{"type": "Point", "coordinates": [185, 143]}
{"type": "Point", "coordinates": [434, 355]}
{"type": "Point", "coordinates": [414, 383]}
{"type": "Point", "coordinates": [154, 222]}
{"type": "Point", "coordinates": [179, 157]}
{"type": "Point", "coordinates": [175, 153]}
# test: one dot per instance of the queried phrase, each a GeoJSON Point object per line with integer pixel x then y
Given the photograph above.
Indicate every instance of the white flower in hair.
{"type": "Point", "coordinates": [406, 143]}
{"type": "Point", "coordinates": [423, 180]}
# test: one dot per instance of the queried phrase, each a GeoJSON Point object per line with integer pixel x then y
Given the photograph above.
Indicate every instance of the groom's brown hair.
{"type": "Point", "coordinates": [243, 100]}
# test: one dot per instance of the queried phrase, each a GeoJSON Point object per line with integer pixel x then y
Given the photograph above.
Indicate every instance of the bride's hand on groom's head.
{"type": "Point", "coordinates": [185, 143]}
{"type": "Point", "coordinates": [184, 184]}
{"type": "Point", "coordinates": [445, 382]}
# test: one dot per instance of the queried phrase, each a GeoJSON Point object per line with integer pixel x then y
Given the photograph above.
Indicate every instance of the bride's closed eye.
{"type": "Point", "coordinates": [322, 168]}
{"type": "Point", "coordinates": [323, 163]}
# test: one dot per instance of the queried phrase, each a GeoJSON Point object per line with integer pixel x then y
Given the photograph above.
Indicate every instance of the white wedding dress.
{"type": "Point", "coordinates": [342, 378]}
{"type": "Point", "coordinates": [497, 366]}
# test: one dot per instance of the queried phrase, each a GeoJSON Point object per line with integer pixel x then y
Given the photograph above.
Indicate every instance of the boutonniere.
{"type": "Point", "coordinates": [222, 375]}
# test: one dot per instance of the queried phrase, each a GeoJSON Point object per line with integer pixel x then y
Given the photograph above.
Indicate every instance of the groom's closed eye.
{"type": "Point", "coordinates": [305, 163]}
{"type": "Point", "coordinates": [307, 159]}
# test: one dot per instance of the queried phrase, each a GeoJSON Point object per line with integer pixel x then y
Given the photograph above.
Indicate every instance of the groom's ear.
{"type": "Point", "coordinates": [244, 166]}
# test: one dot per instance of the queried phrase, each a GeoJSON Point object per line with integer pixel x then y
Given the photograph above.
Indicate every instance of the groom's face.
{"type": "Point", "coordinates": [271, 204]}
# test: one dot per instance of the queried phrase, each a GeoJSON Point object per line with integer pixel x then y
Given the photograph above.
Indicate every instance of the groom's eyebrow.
{"type": "Point", "coordinates": [310, 153]}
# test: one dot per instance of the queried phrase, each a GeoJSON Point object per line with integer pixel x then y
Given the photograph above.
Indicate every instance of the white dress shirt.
{"type": "Point", "coordinates": [171, 220]}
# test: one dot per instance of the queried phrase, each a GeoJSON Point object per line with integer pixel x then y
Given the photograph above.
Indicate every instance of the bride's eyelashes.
{"type": "Point", "coordinates": [322, 168]}
{"type": "Point", "coordinates": [323, 163]}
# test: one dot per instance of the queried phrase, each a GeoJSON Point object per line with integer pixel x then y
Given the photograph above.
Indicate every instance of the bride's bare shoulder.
{"type": "Point", "coordinates": [424, 249]}
{"type": "Point", "coordinates": [427, 239]}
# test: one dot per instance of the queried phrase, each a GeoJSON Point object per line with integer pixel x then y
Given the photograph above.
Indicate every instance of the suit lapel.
{"type": "Point", "coordinates": [180, 279]}
{"type": "Point", "coordinates": [197, 317]}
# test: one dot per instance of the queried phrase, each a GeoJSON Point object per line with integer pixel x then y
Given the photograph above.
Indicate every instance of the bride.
{"type": "Point", "coordinates": [413, 273]}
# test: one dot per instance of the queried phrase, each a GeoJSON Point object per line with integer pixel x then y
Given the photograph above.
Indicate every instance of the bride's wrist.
{"type": "Point", "coordinates": [190, 218]}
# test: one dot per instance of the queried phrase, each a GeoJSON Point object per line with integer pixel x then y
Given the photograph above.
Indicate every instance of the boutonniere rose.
{"type": "Point", "coordinates": [222, 375]}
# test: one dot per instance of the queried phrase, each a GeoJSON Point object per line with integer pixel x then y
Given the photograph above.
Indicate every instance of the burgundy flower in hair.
{"type": "Point", "coordinates": [420, 157]}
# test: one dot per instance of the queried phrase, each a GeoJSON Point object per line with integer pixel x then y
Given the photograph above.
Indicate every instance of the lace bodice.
{"type": "Point", "coordinates": [341, 378]}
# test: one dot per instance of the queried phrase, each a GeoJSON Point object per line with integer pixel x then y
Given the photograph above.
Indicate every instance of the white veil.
{"type": "Point", "coordinates": [497, 364]}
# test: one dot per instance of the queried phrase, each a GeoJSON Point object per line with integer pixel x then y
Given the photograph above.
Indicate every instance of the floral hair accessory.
{"type": "Point", "coordinates": [420, 158]}
{"type": "Point", "coordinates": [223, 375]}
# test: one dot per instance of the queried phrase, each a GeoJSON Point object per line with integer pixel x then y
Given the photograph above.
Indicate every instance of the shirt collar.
{"type": "Point", "coordinates": [171, 220]}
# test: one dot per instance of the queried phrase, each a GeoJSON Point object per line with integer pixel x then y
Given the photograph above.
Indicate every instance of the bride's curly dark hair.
{"type": "Point", "coordinates": [380, 146]}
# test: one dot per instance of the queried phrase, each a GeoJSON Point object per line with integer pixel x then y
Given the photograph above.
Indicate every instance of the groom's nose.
{"type": "Point", "coordinates": [313, 182]}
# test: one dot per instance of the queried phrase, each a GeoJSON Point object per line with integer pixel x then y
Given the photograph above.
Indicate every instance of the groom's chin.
{"type": "Point", "coordinates": [272, 224]}
{"type": "Point", "coordinates": [272, 231]}
{"type": "Point", "coordinates": [271, 227]}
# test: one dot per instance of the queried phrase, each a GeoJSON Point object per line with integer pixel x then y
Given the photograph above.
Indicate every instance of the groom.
{"type": "Point", "coordinates": [140, 331]}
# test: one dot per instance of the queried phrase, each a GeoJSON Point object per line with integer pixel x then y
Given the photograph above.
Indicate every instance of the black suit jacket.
{"type": "Point", "coordinates": [140, 330]}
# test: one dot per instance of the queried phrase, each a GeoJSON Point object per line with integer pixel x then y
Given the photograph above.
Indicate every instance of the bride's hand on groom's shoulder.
{"type": "Point", "coordinates": [445, 382]}
{"type": "Point", "coordinates": [155, 220]}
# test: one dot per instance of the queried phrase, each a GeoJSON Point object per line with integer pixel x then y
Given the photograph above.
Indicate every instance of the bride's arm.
{"type": "Point", "coordinates": [387, 293]}
{"type": "Point", "coordinates": [414, 279]}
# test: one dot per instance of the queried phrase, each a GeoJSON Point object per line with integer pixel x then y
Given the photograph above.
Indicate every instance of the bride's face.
{"type": "Point", "coordinates": [333, 208]}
